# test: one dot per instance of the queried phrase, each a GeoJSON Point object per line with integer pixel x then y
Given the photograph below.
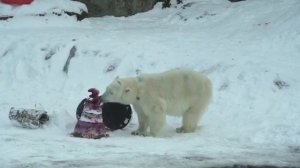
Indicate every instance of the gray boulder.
{"type": "Point", "coordinates": [98, 8]}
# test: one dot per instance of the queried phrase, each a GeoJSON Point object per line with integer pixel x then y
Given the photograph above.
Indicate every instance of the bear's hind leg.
{"type": "Point", "coordinates": [190, 120]}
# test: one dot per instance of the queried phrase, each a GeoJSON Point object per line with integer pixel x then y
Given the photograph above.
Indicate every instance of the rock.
{"type": "Point", "coordinates": [235, 0]}
{"type": "Point", "coordinates": [167, 3]}
{"type": "Point", "coordinates": [98, 8]}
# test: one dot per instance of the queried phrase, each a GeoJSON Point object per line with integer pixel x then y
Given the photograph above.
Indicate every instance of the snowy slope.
{"type": "Point", "coordinates": [250, 51]}
{"type": "Point", "coordinates": [42, 7]}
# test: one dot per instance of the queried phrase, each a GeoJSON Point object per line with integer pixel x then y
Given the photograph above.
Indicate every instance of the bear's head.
{"type": "Point", "coordinates": [122, 91]}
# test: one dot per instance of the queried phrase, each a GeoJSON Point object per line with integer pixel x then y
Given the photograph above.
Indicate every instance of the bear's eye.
{"type": "Point", "coordinates": [127, 90]}
{"type": "Point", "coordinates": [111, 93]}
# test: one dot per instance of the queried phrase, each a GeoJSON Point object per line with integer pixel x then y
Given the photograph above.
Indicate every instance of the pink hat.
{"type": "Point", "coordinates": [94, 93]}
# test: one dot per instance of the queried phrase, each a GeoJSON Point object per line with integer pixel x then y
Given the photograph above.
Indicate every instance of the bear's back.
{"type": "Point", "coordinates": [175, 85]}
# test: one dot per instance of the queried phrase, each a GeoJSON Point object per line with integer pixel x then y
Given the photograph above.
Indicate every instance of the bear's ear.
{"type": "Point", "coordinates": [119, 82]}
{"type": "Point", "coordinates": [116, 80]}
{"type": "Point", "coordinates": [140, 79]}
{"type": "Point", "coordinates": [127, 90]}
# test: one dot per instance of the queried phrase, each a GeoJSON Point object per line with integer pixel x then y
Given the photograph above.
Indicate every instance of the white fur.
{"type": "Point", "coordinates": [178, 92]}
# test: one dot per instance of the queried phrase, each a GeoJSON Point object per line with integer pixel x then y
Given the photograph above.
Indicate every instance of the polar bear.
{"type": "Point", "coordinates": [179, 92]}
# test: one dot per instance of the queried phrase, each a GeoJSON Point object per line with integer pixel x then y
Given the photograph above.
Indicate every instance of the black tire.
{"type": "Point", "coordinates": [79, 109]}
{"type": "Point", "coordinates": [116, 115]}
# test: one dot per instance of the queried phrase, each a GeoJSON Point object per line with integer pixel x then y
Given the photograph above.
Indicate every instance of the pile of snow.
{"type": "Point", "coordinates": [250, 51]}
{"type": "Point", "coordinates": [42, 7]}
{"type": "Point", "coordinates": [55, 13]}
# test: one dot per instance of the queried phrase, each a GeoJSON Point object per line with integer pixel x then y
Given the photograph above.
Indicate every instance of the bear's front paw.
{"type": "Point", "coordinates": [140, 133]}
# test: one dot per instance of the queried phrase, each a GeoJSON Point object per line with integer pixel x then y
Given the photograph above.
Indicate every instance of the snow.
{"type": "Point", "coordinates": [42, 7]}
{"type": "Point", "coordinates": [250, 51]}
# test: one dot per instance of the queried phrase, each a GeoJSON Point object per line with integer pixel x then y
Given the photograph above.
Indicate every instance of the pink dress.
{"type": "Point", "coordinates": [90, 122]}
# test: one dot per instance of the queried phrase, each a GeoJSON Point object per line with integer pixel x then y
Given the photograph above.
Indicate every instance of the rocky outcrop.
{"type": "Point", "coordinates": [98, 8]}
{"type": "Point", "coordinates": [235, 0]}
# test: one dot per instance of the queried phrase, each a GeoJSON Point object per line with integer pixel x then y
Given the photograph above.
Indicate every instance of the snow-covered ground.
{"type": "Point", "coordinates": [250, 50]}
{"type": "Point", "coordinates": [42, 7]}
